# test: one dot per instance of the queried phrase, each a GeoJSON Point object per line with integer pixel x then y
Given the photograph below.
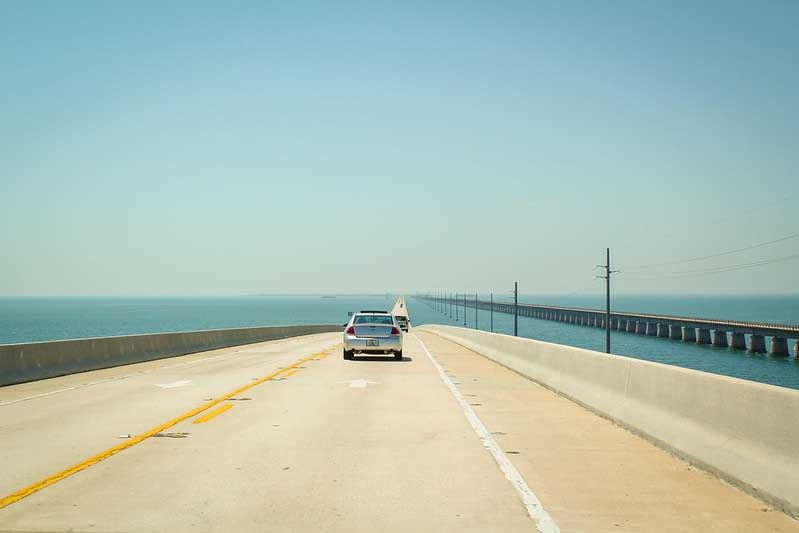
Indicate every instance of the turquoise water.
{"type": "Point", "coordinates": [45, 319]}
{"type": "Point", "coordinates": [763, 368]}
{"type": "Point", "coordinates": [42, 319]}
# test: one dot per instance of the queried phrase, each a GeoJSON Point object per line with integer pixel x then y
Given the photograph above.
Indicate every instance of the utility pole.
{"type": "Point", "coordinates": [475, 311]}
{"type": "Point", "coordinates": [492, 312]}
{"type": "Point", "coordinates": [464, 308]}
{"type": "Point", "coordinates": [515, 308]}
{"type": "Point", "coordinates": [456, 308]}
{"type": "Point", "coordinates": [606, 277]}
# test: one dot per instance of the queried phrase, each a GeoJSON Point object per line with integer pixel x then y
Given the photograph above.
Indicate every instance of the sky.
{"type": "Point", "coordinates": [223, 148]}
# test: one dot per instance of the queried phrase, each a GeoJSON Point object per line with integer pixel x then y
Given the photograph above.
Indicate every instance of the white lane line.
{"type": "Point", "coordinates": [543, 522]}
{"type": "Point", "coordinates": [58, 391]}
{"type": "Point", "coordinates": [126, 376]}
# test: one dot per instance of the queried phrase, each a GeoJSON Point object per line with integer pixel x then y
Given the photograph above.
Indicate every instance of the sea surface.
{"type": "Point", "coordinates": [45, 319]}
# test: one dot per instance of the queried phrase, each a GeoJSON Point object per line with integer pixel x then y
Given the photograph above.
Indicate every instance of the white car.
{"type": "Point", "coordinates": [373, 332]}
{"type": "Point", "coordinates": [402, 320]}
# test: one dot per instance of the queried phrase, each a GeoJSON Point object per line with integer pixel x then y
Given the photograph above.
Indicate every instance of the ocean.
{"type": "Point", "coordinates": [44, 319]}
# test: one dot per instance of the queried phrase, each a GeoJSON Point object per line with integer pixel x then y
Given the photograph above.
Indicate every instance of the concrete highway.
{"type": "Point", "coordinates": [287, 436]}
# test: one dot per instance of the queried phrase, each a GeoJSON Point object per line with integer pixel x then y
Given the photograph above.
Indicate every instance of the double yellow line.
{"type": "Point", "coordinates": [46, 482]}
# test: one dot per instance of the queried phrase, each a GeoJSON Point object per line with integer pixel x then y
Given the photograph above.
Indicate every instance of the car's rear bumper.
{"type": "Point", "coordinates": [359, 344]}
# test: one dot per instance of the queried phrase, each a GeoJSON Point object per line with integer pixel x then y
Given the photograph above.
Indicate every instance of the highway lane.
{"type": "Point", "coordinates": [327, 444]}
{"type": "Point", "coordinates": [363, 445]}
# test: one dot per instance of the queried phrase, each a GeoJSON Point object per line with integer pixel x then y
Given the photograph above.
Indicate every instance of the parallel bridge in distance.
{"type": "Point", "coordinates": [686, 329]}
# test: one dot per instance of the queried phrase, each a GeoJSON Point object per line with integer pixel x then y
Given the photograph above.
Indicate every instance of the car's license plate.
{"type": "Point", "coordinates": [372, 342]}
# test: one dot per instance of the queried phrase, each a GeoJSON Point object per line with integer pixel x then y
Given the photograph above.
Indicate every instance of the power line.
{"type": "Point", "coordinates": [720, 254]}
{"type": "Point", "coordinates": [716, 270]}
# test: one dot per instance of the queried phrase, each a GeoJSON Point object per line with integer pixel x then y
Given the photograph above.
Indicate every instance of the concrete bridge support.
{"type": "Point", "coordinates": [702, 336]}
{"type": "Point", "coordinates": [796, 348]}
{"type": "Point", "coordinates": [689, 334]}
{"type": "Point", "coordinates": [737, 341]}
{"type": "Point", "coordinates": [600, 322]}
{"type": "Point", "coordinates": [632, 326]}
{"type": "Point", "coordinates": [651, 329]}
{"type": "Point", "coordinates": [675, 332]}
{"type": "Point", "coordinates": [757, 344]}
{"type": "Point", "coordinates": [720, 338]}
{"type": "Point", "coordinates": [663, 331]}
{"type": "Point", "coordinates": [621, 324]}
{"type": "Point", "coordinates": [640, 328]}
{"type": "Point", "coordinates": [779, 347]}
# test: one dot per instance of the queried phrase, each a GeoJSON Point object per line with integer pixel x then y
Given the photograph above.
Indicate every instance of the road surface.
{"type": "Point", "coordinates": [287, 436]}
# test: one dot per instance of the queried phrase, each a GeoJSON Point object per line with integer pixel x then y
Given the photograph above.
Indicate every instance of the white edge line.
{"type": "Point", "coordinates": [543, 521]}
{"type": "Point", "coordinates": [116, 378]}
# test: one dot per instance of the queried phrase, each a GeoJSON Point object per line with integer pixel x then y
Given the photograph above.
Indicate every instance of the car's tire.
{"type": "Point", "coordinates": [398, 356]}
{"type": "Point", "coordinates": [347, 354]}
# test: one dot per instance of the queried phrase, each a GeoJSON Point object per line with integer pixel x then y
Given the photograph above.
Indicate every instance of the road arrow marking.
{"type": "Point", "coordinates": [174, 384]}
{"type": "Point", "coordinates": [359, 383]}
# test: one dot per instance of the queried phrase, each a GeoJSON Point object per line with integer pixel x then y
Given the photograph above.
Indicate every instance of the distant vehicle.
{"type": "Point", "coordinates": [402, 320]}
{"type": "Point", "coordinates": [373, 332]}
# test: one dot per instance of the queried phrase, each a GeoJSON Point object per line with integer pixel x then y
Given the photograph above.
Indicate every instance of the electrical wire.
{"type": "Point", "coordinates": [715, 270]}
{"type": "Point", "coordinates": [720, 254]}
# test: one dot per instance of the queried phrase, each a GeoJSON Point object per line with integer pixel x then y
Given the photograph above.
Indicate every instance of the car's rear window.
{"type": "Point", "coordinates": [373, 319]}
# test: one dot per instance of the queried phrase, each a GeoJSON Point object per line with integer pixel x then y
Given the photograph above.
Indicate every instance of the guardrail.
{"type": "Point", "coordinates": [39, 360]}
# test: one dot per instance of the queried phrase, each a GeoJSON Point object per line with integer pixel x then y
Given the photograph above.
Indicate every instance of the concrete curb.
{"type": "Point", "coordinates": [40, 360]}
{"type": "Point", "coordinates": [744, 432]}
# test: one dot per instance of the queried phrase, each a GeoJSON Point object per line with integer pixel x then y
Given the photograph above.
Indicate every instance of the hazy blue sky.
{"type": "Point", "coordinates": [152, 148]}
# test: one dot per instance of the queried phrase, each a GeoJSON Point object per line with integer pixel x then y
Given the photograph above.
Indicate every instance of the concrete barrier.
{"type": "Point", "coordinates": [742, 431]}
{"type": "Point", "coordinates": [39, 360]}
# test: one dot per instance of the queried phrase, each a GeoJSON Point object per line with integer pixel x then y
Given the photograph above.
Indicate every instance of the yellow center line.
{"type": "Point", "coordinates": [209, 416]}
{"type": "Point", "coordinates": [290, 372]}
{"type": "Point", "coordinates": [46, 482]}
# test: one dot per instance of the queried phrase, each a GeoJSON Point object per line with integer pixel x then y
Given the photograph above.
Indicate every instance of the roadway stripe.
{"type": "Point", "coordinates": [139, 373]}
{"type": "Point", "coordinates": [543, 522]}
{"type": "Point", "coordinates": [46, 482]}
{"type": "Point", "coordinates": [209, 416]}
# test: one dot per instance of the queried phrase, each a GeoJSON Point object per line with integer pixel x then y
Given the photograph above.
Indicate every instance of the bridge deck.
{"type": "Point", "coordinates": [334, 445]}
{"type": "Point", "coordinates": [399, 308]}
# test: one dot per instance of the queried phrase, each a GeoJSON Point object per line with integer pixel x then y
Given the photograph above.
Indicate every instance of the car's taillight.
{"type": "Point", "coordinates": [394, 331]}
{"type": "Point", "coordinates": [350, 330]}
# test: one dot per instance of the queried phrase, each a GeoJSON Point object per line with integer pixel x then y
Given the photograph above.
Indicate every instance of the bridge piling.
{"type": "Point", "coordinates": [621, 324]}
{"type": "Point", "coordinates": [720, 338]}
{"type": "Point", "coordinates": [675, 332]}
{"type": "Point", "coordinates": [779, 347]}
{"type": "Point", "coordinates": [702, 336]}
{"type": "Point", "coordinates": [651, 329]}
{"type": "Point", "coordinates": [631, 326]}
{"type": "Point", "coordinates": [663, 331]}
{"type": "Point", "coordinates": [640, 327]}
{"type": "Point", "coordinates": [737, 341]}
{"type": "Point", "coordinates": [689, 334]}
{"type": "Point", "coordinates": [757, 343]}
